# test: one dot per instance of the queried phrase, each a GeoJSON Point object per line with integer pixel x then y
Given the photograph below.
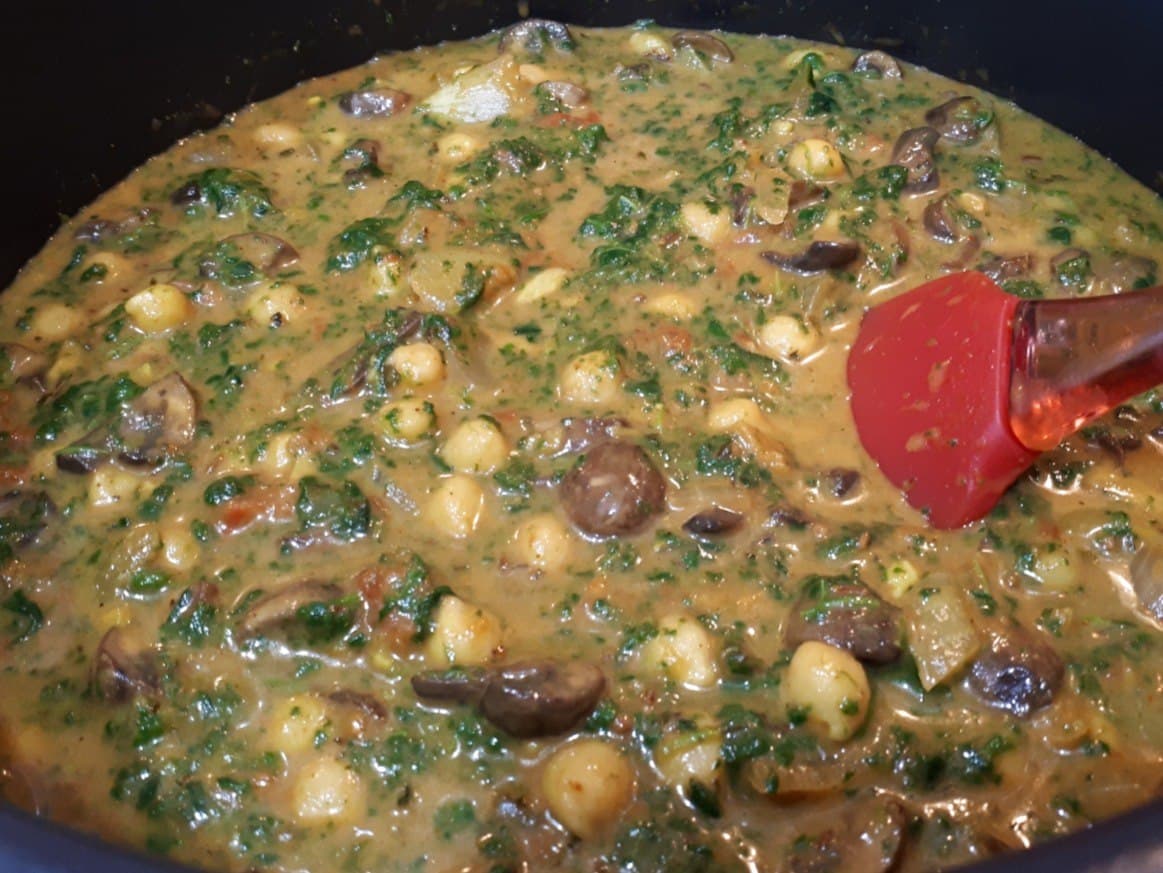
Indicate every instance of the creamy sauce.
{"type": "Point", "coordinates": [480, 355]}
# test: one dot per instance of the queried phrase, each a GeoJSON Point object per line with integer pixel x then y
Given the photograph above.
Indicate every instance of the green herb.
{"type": "Point", "coordinates": [339, 509]}
{"type": "Point", "coordinates": [26, 617]}
{"type": "Point", "coordinates": [228, 192]}
{"type": "Point", "coordinates": [356, 243]}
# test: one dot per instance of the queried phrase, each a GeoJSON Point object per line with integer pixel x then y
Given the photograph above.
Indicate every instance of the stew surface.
{"type": "Point", "coordinates": [447, 465]}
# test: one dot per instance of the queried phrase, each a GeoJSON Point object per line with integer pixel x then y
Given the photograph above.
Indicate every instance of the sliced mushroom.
{"type": "Point", "coordinates": [580, 434]}
{"type": "Point", "coordinates": [939, 223]}
{"type": "Point", "coordinates": [24, 363]}
{"type": "Point", "coordinates": [1018, 673]}
{"type": "Point", "coordinates": [536, 34]}
{"type": "Point", "coordinates": [816, 258]}
{"type": "Point", "coordinates": [962, 119]}
{"type": "Point", "coordinates": [840, 481]}
{"type": "Point", "coordinates": [613, 491]}
{"type": "Point", "coordinates": [1001, 268]}
{"type": "Point", "coordinates": [187, 194]}
{"type": "Point", "coordinates": [374, 103]}
{"type": "Point", "coordinates": [1124, 273]}
{"type": "Point", "coordinates": [567, 93]}
{"type": "Point", "coordinates": [81, 458]}
{"type": "Point", "coordinates": [715, 521]}
{"type": "Point", "coordinates": [367, 704]}
{"type": "Point", "coordinates": [269, 253]}
{"type": "Point", "coordinates": [803, 194]}
{"type": "Point", "coordinates": [878, 62]}
{"type": "Point", "coordinates": [541, 698]}
{"type": "Point", "coordinates": [846, 614]}
{"type": "Point", "coordinates": [23, 515]}
{"type": "Point", "coordinates": [161, 418]}
{"type": "Point", "coordinates": [704, 44]}
{"type": "Point", "coordinates": [914, 152]}
{"type": "Point", "coordinates": [272, 610]}
{"type": "Point", "coordinates": [366, 365]}
{"type": "Point", "coordinates": [120, 674]}
{"type": "Point", "coordinates": [525, 700]}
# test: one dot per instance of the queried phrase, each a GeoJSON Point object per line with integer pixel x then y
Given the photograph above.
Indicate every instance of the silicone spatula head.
{"type": "Point", "coordinates": [929, 376]}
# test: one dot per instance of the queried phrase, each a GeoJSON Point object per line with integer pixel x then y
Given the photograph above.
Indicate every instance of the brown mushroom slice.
{"type": "Point", "coordinates": [614, 490]}
{"type": "Point", "coordinates": [803, 194]}
{"type": "Point", "coordinates": [367, 704]}
{"type": "Point", "coordinates": [876, 61]}
{"type": "Point", "coordinates": [23, 515]}
{"type": "Point", "coordinates": [914, 152]}
{"type": "Point", "coordinates": [568, 94]}
{"type": "Point", "coordinates": [580, 434]}
{"type": "Point", "coordinates": [374, 102]}
{"type": "Point", "coordinates": [704, 44]}
{"type": "Point", "coordinates": [271, 254]}
{"type": "Point", "coordinates": [272, 610]}
{"type": "Point", "coordinates": [161, 418]}
{"type": "Point", "coordinates": [1000, 268]}
{"type": "Point", "coordinates": [840, 481]}
{"type": "Point", "coordinates": [715, 521]}
{"type": "Point", "coordinates": [537, 34]}
{"type": "Point", "coordinates": [1018, 673]}
{"type": "Point", "coordinates": [939, 223]}
{"type": "Point", "coordinates": [818, 257]}
{"type": "Point", "coordinates": [455, 685]}
{"type": "Point", "coordinates": [962, 119]}
{"type": "Point", "coordinates": [24, 363]}
{"type": "Point", "coordinates": [541, 698]}
{"type": "Point", "coordinates": [120, 674]}
{"type": "Point", "coordinates": [846, 614]}
{"type": "Point", "coordinates": [1124, 273]}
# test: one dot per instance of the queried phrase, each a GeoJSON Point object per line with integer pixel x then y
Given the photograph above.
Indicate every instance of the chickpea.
{"type": "Point", "coordinates": [1054, 568]}
{"type": "Point", "coordinates": [110, 485]}
{"type": "Point", "coordinates": [476, 446]}
{"type": "Point", "coordinates": [650, 45]}
{"type": "Point", "coordinates": [456, 505]}
{"type": "Point", "coordinates": [456, 148]}
{"type": "Point", "coordinates": [159, 308]}
{"type": "Point", "coordinates": [787, 338]}
{"type": "Point", "coordinates": [275, 304]}
{"type": "Point", "coordinates": [685, 651]}
{"type": "Point", "coordinates": [543, 542]}
{"type": "Point", "coordinates": [179, 548]}
{"type": "Point", "coordinates": [277, 136]}
{"type": "Point", "coordinates": [55, 321]}
{"type": "Point", "coordinates": [418, 363]}
{"type": "Point", "coordinates": [408, 419]}
{"type": "Point", "coordinates": [543, 284]}
{"type": "Point", "coordinates": [295, 722]}
{"type": "Point", "coordinates": [590, 380]}
{"type": "Point", "coordinates": [462, 634]}
{"type": "Point", "coordinates": [708, 226]}
{"type": "Point", "coordinates": [327, 792]}
{"type": "Point", "coordinates": [901, 576]}
{"type": "Point", "coordinates": [690, 754]}
{"type": "Point", "coordinates": [586, 785]}
{"type": "Point", "coordinates": [815, 160]}
{"type": "Point", "coordinates": [673, 304]}
{"type": "Point", "coordinates": [285, 457]}
{"type": "Point", "coordinates": [830, 685]}
{"type": "Point", "coordinates": [736, 413]}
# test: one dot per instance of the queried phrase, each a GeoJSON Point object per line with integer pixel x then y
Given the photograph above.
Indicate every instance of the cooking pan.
{"type": "Point", "coordinates": [91, 91]}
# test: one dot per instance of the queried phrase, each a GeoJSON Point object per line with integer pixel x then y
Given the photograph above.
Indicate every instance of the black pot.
{"type": "Point", "coordinates": [91, 92]}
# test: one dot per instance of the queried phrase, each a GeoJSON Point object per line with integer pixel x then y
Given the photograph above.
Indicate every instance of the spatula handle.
{"type": "Point", "coordinates": [1074, 360]}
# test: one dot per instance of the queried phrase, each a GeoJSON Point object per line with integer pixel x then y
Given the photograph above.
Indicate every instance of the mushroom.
{"type": "Point", "coordinates": [881, 63]}
{"type": "Point", "coordinates": [580, 434]}
{"type": "Point", "coordinates": [802, 194]}
{"type": "Point", "coordinates": [23, 515]}
{"type": "Point", "coordinates": [713, 522]}
{"type": "Point", "coordinates": [845, 614]}
{"type": "Point", "coordinates": [1124, 273]}
{"type": "Point", "coordinates": [914, 152]}
{"type": "Point", "coordinates": [367, 363]}
{"type": "Point", "coordinates": [374, 103]}
{"type": "Point", "coordinates": [24, 363]}
{"type": "Point", "coordinates": [161, 418]}
{"type": "Point", "coordinates": [535, 34]}
{"type": "Point", "coordinates": [614, 490]}
{"type": "Point", "coordinates": [704, 44]}
{"type": "Point", "coordinates": [269, 253]}
{"type": "Point", "coordinates": [365, 703]}
{"type": "Point", "coordinates": [81, 458]}
{"type": "Point", "coordinates": [1146, 576]}
{"type": "Point", "coordinates": [1018, 673]}
{"type": "Point", "coordinates": [525, 700]}
{"type": "Point", "coordinates": [816, 258]}
{"type": "Point", "coordinates": [280, 607]}
{"type": "Point", "coordinates": [1001, 268]}
{"type": "Point", "coordinates": [567, 93]}
{"type": "Point", "coordinates": [939, 223]}
{"type": "Point", "coordinates": [840, 481]}
{"type": "Point", "coordinates": [961, 119]}
{"type": "Point", "coordinates": [120, 674]}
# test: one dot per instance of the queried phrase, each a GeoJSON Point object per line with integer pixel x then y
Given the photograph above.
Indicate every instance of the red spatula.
{"type": "Point", "coordinates": [957, 386]}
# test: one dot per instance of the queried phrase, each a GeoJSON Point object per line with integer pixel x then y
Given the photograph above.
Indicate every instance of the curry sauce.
{"type": "Point", "coordinates": [447, 464]}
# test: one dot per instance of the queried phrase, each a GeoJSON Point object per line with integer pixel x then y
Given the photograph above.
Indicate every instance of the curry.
{"type": "Point", "coordinates": [447, 465]}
